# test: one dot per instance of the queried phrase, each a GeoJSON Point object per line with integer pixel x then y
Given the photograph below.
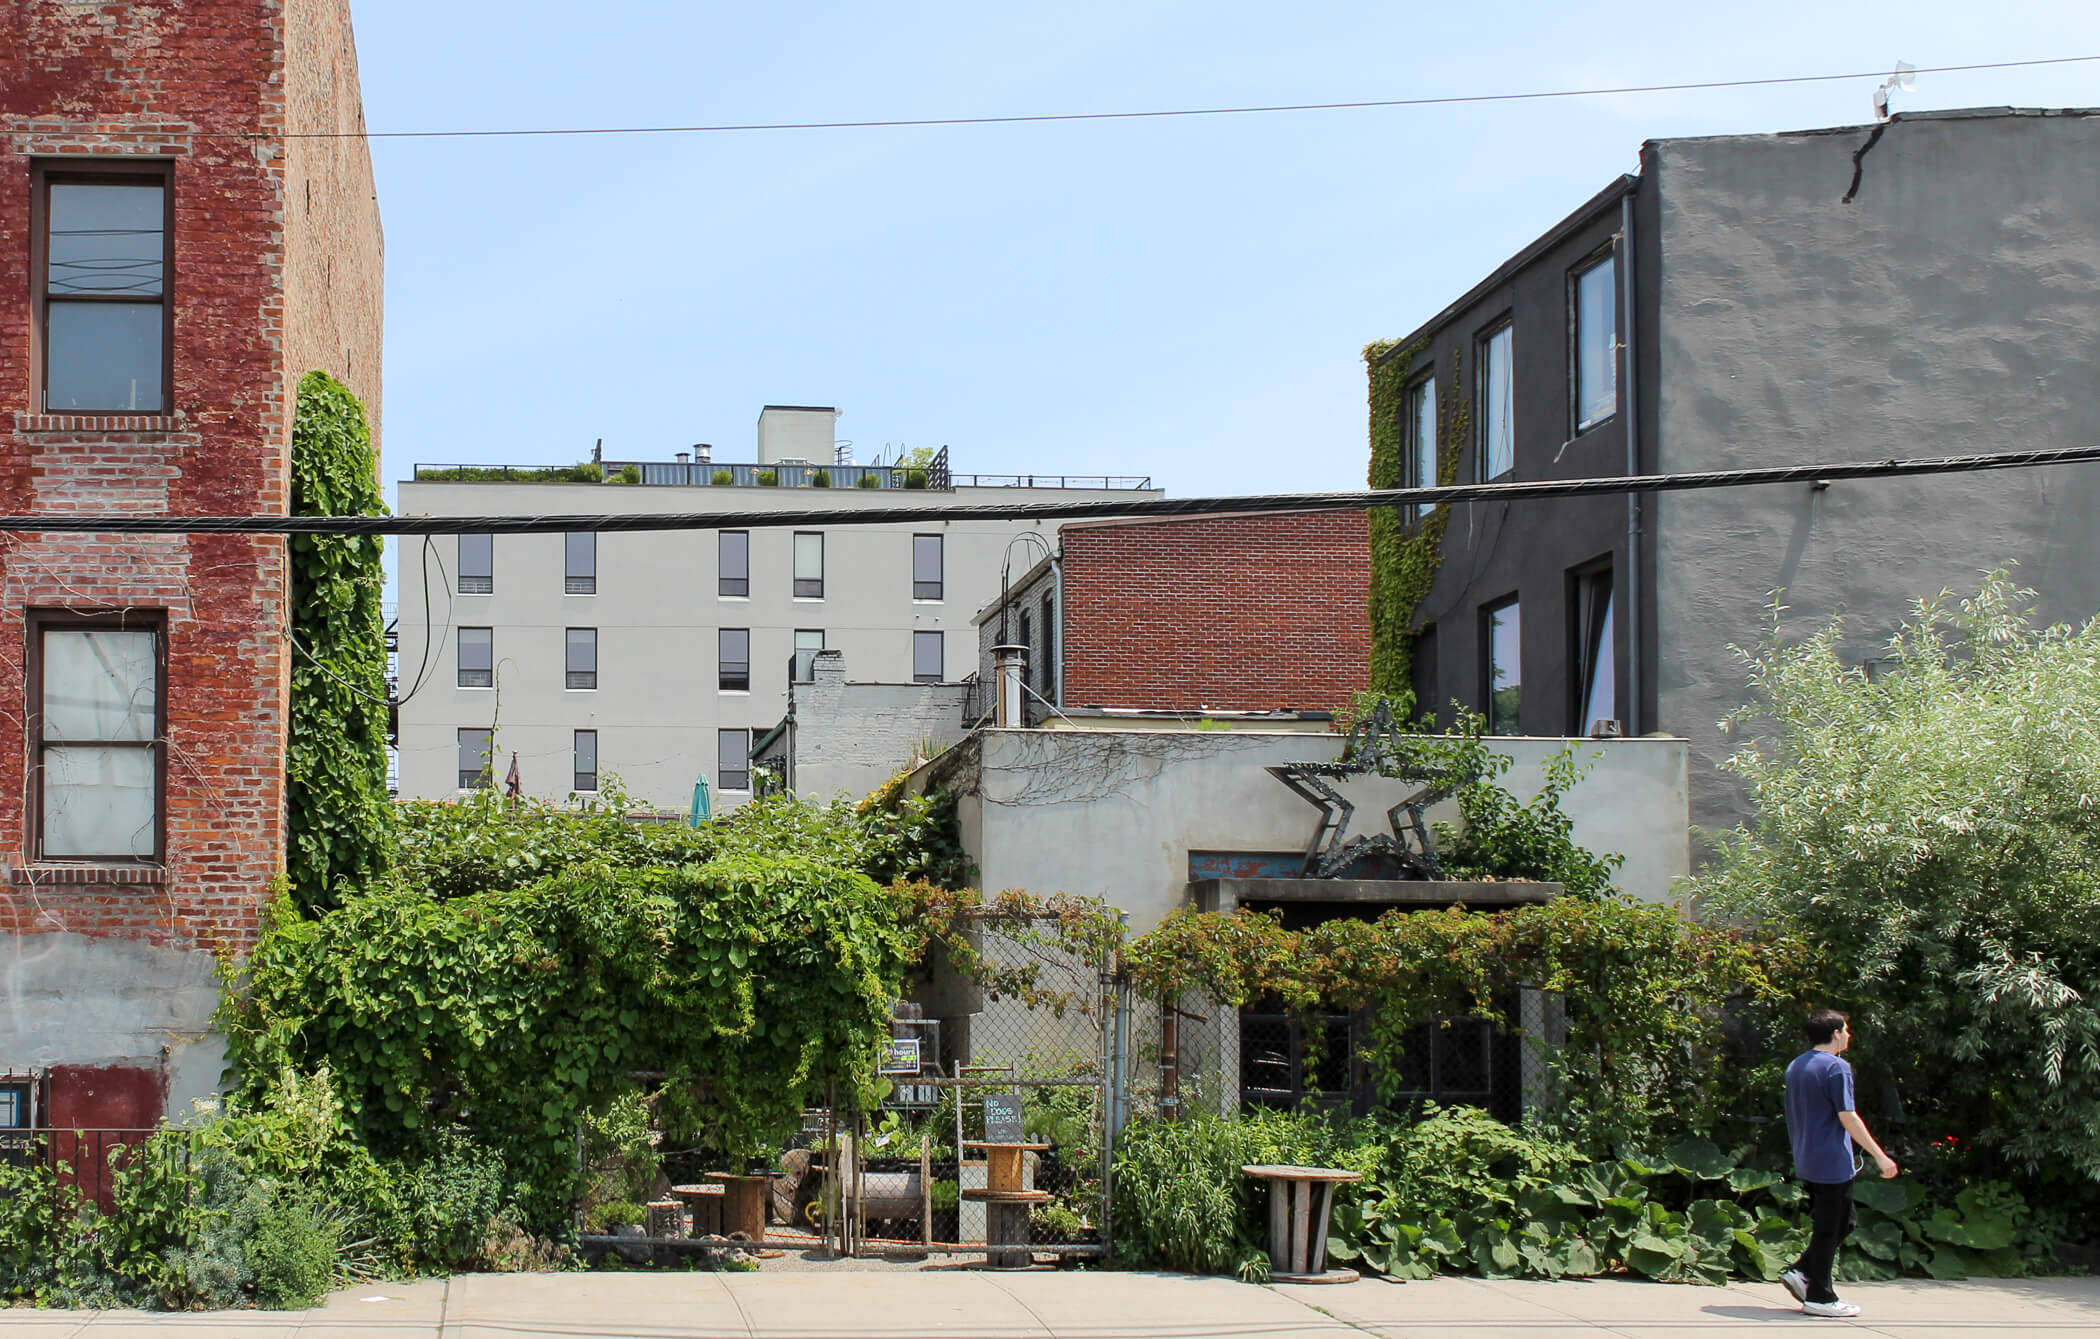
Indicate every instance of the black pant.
{"type": "Point", "coordinates": [1831, 1217]}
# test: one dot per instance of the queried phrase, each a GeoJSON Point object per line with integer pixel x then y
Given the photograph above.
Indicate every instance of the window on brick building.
{"type": "Point", "coordinates": [477, 657]}
{"type": "Point", "coordinates": [808, 641]}
{"type": "Point", "coordinates": [928, 658]}
{"type": "Point", "coordinates": [580, 668]}
{"type": "Point", "coordinates": [477, 564]}
{"type": "Point", "coordinates": [733, 563]}
{"type": "Point", "coordinates": [99, 266]}
{"type": "Point", "coordinates": [97, 724]}
{"type": "Point", "coordinates": [474, 746]}
{"type": "Point", "coordinates": [732, 760]}
{"type": "Point", "coordinates": [926, 567]}
{"type": "Point", "coordinates": [733, 660]}
{"type": "Point", "coordinates": [586, 769]}
{"type": "Point", "coordinates": [809, 565]}
{"type": "Point", "coordinates": [579, 564]}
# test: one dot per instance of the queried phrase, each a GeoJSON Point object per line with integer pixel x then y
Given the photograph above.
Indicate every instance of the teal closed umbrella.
{"type": "Point", "coordinates": [699, 802]}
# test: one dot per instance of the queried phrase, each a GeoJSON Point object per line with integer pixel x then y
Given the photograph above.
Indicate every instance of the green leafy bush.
{"type": "Point", "coordinates": [723, 478]}
{"type": "Point", "coordinates": [915, 478]}
{"type": "Point", "coordinates": [868, 481]}
{"type": "Point", "coordinates": [615, 1213]}
{"type": "Point", "coordinates": [821, 479]}
{"type": "Point", "coordinates": [292, 1250]}
{"type": "Point", "coordinates": [768, 478]}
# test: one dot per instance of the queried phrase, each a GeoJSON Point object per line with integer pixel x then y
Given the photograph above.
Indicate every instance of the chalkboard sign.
{"type": "Point", "coordinates": [900, 1056]}
{"type": "Point", "coordinates": [1002, 1119]}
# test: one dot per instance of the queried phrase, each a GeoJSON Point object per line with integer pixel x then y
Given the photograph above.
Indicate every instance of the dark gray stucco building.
{"type": "Point", "coordinates": [1926, 286]}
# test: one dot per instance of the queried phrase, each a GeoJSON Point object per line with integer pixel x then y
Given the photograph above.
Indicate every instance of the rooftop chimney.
{"type": "Point", "coordinates": [1009, 661]}
{"type": "Point", "coordinates": [702, 452]}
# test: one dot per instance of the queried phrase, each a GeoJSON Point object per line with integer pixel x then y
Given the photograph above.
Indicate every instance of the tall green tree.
{"type": "Point", "coordinates": [1934, 829]}
{"type": "Point", "coordinates": [339, 820]}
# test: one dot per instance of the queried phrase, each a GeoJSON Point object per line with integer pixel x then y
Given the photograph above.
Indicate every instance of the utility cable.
{"type": "Point", "coordinates": [904, 123]}
{"type": "Point", "coordinates": [1135, 508]}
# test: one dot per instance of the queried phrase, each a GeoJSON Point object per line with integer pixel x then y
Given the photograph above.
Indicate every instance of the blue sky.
{"type": "Point", "coordinates": [1185, 299]}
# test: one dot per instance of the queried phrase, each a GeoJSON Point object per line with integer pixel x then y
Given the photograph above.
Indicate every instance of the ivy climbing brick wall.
{"type": "Point", "coordinates": [114, 970]}
{"type": "Point", "coordinates": [1245, 613]}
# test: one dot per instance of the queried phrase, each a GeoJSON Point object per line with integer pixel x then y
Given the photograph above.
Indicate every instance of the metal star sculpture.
{"type": "Point", "coordinates": [1374, 748]}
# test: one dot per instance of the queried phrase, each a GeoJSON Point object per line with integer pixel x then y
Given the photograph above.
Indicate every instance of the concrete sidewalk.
{"type": "Point", "coordinates": [972, 1305]}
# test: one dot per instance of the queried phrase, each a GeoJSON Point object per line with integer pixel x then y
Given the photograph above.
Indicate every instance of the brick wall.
{"type": "Point", "coordinates": [192, 84]}
{"type": "Point", "coordinates": [1233, 613]}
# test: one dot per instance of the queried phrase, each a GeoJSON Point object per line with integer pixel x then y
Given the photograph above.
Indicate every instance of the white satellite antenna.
{"type": "Point", "coordinates": [1905, 78]}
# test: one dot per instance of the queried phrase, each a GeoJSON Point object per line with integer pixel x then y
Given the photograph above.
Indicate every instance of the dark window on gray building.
{"type": "Point", "coordinates": [809, 565]}
{"type": "Point", "coordinates": [582, 658]}
{"type": "Point", "coordinates": [477, 564]}
{"type": "Point", "coordinates": [926, 567]}
{"type": "Point", "coordinates": [579, 574]}
{"type": "Point", "coordinates": [808, 641]}
{"type": "Point", "coordinates": [1428, 701]}
{"type": "Point", "coordinates": [1595, 658]}
{"type": "Point", "coordinates": [1502, 657]}
{"type": "Point", "coordinates": [1420, 426]}
{"type": "Point", "coordinates": [732, 760]}
{"type": "Point", "coordinates": [1594, 334]}
{"type": "Point", "coordinates": [101, 287]}
{"type": "Point", "coordinates": [733, 548]}
{"type": "Point", "coordinates": [733, 660]}
{"type": "Point", "coordinates": [1498, 410]}
{"type": "Point", "coordinates": [477, 658]}
{"type": "Point", "coordinates": [1049, 656]}
{"type": "Point", "coordinates": [474, 759]}
{"type": "Point", "coordinates": [586, 761]}
{"type": "Point", "coordinates": [928, 660]}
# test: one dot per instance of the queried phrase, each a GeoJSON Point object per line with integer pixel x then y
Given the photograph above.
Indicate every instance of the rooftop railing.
{"type": "Point", "coordinates": [933, 475]}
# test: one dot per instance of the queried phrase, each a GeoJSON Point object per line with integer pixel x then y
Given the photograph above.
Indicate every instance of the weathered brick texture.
{"type": "Point", "coordinates": [1241, 613]}
{"type": "Point", "coordinates": [276, 271]}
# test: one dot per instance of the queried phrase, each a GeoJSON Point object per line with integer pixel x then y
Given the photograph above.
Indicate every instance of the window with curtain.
{"type": "Point", "coordinates": [581, 667]}
{"type": "Point", "coordinates": [809, 565]}
{"type": "Point", "coordinates": [477, 564]}
{"type": "Point", "coordinates": [97, 737]}
{"type": "Point", "coordinates": [477, 657]}
{"type": "Point", "coordinates": [579, 575]}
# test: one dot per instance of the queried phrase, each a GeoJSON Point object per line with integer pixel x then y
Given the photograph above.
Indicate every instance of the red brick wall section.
{"type": "Point", "coordinates": [166, 80]}
{"type": "Point", "coordinates": [1243, 613]}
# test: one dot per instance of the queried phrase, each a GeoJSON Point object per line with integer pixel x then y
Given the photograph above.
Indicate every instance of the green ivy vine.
{"type": "Point", "coordinates": [338, 814]}
{"type": "Point", "coordinates": [1405, 552]}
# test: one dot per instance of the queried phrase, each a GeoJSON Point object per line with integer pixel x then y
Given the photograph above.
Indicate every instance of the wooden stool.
{"type": "Point", "coordinates": [1006, 1204]}
{"type": "Point", "coordinates": [705, 1205]}
{"type": "Point", "coordinates": [1299, 1201]}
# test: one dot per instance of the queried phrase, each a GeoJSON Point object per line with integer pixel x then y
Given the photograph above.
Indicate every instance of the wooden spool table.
{"type": "Point", "coordinates": [705, 1205]}
{"type": "Point", "coordinates": [743, 1204]}
{"type": "Point", "coordinates": [1299, 1201]}
{"type": "Point", "coordinates": [1006, 1204]}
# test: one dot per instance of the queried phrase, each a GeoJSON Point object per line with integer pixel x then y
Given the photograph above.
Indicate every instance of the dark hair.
{"type": "Point", "coordinates": [1823, 1024]}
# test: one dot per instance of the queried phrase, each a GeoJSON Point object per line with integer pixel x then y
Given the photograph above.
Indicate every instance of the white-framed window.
{"type": "Point", "coordinates": [477, 564]}
{"type": "Point", "coordinates": [97, 729]}
{"type": "Point", "coordinates": [809, 564]}
{"type": "Point", "coordinates": [1498, 417]}
{"type": "Point", "coordinates": [580, 658]}
{"type": "Point", "coordinates": [928, 656]}
{"type": "Point", "coordinates": [1419, 415]}
{"type": "Point", "coordinates": [733, 562]}
{"type": "Point", "coordinates": [474, 771]}
{"type": "Point", "coordinates": [927, 567]}
{"type": "Point", "coordinates": [586, 764]}
{"type": "Point", "coordinates": [579, 563]}
{"type": "Point", "coordinates": [1593, 335]}
{"type": "Point", "coordinates": [733, 660]}
{"type": "Point", "coordinates": [477, 657]}
{"type": "Point", "coordinates": [1502, 656]}
{"type": "Point", "coordinates": [732, 760]}
{"type": "Point", "coordinates": [808, 641]}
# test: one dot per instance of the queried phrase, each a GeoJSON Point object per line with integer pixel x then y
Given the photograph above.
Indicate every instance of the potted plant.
{"type": "Point", "coordinates": [768, 478]}
{"type": "Point", "coordinates": [915, 478]}
{"type": "Point", "coordinates": [869, 481]}
{"type": "Point", "coordinates": [723, 478]}
{"type": "Point", "coordinates": [821, 479]}
{"type": "Point", "coordinates": [630, 474]}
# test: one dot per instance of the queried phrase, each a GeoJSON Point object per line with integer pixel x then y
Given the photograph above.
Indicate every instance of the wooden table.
{"type": "Point", "coordinates": [1299, 1201]}
{"type": "Point", "coordinates": [1006, 1203]}
{"type": "Point", "coordinates": [705, 1205]}
{"type": "Point", "coordinates": [743, 1204]}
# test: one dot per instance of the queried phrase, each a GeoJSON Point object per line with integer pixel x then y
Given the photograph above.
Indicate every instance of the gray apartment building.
{"type": "Point", "coordinates": [662, 656]}
{"type": "Point", "coordinates": [1925, 286]}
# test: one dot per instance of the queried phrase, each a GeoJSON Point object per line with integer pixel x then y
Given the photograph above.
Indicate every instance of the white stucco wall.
{"type": "Point", "coordinates": [1115, 813]}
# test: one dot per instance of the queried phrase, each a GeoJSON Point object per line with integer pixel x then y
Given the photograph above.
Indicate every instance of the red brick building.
{"type": "Point", "coordinates": [1250, 613]}
{"type": "Point", "coordinates": [171, 262]}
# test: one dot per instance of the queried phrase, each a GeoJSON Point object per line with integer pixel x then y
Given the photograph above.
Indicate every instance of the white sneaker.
{"type": "Point", "coordinates": [1831, 1310]}
{"type": "Point", "coordinates": [1795, 1282]}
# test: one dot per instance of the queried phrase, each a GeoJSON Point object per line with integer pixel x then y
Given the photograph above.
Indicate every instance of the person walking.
{"type": "Point", "coordinates": [1824, 1126]}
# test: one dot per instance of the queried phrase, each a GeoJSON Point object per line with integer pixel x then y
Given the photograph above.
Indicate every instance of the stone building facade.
{"type": "Point", "coordinates": [178, 261]}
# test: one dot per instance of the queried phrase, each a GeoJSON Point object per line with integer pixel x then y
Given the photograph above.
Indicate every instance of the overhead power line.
{"type": "Point", "coordinates": [1158, 114]}
{"type": "Point", "coordinates": [1154, 508]}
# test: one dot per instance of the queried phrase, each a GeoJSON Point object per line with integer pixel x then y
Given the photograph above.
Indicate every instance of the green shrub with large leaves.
{"type": "Point", "coordinates": [1934, 829]}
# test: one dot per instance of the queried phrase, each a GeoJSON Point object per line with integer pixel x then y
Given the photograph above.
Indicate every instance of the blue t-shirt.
{"type": "Point", "coordinates": [1818, 1087]}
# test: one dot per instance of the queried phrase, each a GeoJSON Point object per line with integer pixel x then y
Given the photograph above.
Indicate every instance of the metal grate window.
{"type": "Point", "coordinates": [477, 564]}
{"type": "Point", "coordinates": [926, 567]}
{"type": "Point", "coordinates": [477, 658]}
{"type": "Point", "coordinates": [579, 564]}
{"type": "Point", "coordinates": [733, 660]}
{"type": "Point", "coordinates": [582, 662]}
{"type": "Point", "coordinates": [809, 565]}
{"type": "Point", "coordinates": [474, 758]}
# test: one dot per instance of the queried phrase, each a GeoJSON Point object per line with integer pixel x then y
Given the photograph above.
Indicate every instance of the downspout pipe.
{"type": "Point", "coordinates": [1632, 419]}
{"type": "Point", "coordinates": [1062, 647]}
